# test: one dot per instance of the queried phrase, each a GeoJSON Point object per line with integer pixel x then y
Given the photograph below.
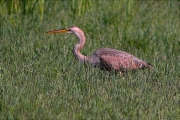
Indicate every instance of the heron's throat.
{"type": "Point", "coordinates": [76, 51]}
{"type": "Point", "coordinates": [77, 54]}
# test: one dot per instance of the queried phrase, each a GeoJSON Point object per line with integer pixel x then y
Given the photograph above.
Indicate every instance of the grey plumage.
{"type": "Point", "coordinates": [109, 59]}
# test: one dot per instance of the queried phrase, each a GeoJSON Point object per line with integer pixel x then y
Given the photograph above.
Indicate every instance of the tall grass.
{"type": "Point", "coordinates": [80, 6]}
{"type": "Point", "coordinates": [40, 79]}
{"type": "Point", "coordinates": [25, 7]}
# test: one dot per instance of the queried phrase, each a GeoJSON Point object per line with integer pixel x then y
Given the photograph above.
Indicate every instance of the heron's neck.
{"type": "Point", "coordinates": [79, 46]}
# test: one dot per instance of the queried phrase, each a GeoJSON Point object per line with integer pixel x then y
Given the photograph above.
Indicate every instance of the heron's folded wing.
{"type": "Point", "coordinates": [123, 62]}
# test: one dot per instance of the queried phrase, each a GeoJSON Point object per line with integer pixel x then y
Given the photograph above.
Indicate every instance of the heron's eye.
{"type": "Point", "coordinates": [68, 29]}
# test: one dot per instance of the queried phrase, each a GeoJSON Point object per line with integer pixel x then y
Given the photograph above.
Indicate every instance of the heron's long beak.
{"type": "Point", "coordinates": [57, 31]}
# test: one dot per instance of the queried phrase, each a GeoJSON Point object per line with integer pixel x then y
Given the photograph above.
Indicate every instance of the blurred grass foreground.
{"type": "Point", "coordinates": [40, 79]}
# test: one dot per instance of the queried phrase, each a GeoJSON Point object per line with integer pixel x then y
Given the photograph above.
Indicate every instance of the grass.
{"type": "Point", "coordinates": [40, 79]}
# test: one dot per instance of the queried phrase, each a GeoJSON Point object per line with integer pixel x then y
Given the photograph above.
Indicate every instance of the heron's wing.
{"type": "Point", "coordinates": [121, 63]}
{"type": "Point", "coordinates": [119, 60]}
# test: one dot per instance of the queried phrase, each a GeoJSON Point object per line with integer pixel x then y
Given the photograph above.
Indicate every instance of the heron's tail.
{"type": "Point", "coordinates": [148, 65]}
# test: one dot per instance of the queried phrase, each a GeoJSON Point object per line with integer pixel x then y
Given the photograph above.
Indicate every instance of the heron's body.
{"type": "Point", "coordinates": [104, 58]}
{"type": "Point", "coordinates": [109, 59]}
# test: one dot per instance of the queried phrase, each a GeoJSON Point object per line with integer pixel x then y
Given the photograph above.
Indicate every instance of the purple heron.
{"type": "Point", "coordinates": [104, 58]}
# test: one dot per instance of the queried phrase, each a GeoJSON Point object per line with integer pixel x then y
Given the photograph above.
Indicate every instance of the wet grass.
{"type": "Point", "coordinates": [40, 79]}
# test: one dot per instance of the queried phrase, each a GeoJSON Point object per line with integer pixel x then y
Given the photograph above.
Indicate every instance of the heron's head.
{"type": "Point", "coordinates": [73, 29]}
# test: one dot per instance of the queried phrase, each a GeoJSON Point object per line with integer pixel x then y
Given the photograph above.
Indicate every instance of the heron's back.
{"type": "Point", "coordinates": [107, 58]}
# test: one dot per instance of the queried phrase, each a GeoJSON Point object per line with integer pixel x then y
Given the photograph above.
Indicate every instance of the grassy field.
{"type": "Point", "coordinates": [41, 79]}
